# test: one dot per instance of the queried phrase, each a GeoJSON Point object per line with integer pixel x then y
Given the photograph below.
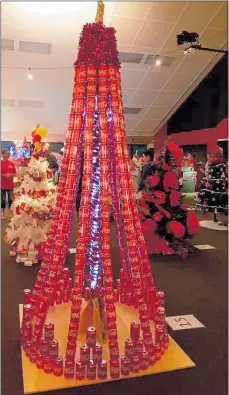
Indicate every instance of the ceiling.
{"type": "Point", "coordinates": [44, 37]}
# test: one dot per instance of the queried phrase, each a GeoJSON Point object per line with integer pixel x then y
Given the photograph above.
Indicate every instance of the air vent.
{"type": "Point", "coordinates": [165, 60]}
{"type": "Point", "coordinates": [31, 47]}
{"type": "Point", "coordinates": [8, 103]}
{"type": "Point", "coordinates": [30, 104]}
{"type": "Point", "coordinates": [7, 45]}
{"type": "Point", "coordinates": [131, 110]}
{"type": "Point", "coordinates": [128, 57]}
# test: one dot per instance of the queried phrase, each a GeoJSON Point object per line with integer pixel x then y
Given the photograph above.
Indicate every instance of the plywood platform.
{"type": "Point", "coordinates": [36, 380]}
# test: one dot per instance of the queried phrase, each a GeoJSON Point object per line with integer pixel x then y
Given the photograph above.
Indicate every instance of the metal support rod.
{"type": "Point", "coordinates": [208, 49]}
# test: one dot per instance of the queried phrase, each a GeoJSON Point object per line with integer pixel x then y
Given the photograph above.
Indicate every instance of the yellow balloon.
{"type": "Point", "coordinates": [41, 131]}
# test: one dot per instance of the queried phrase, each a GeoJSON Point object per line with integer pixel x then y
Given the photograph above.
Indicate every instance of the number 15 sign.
{"type": "Point", "coordinates": [181, 322]}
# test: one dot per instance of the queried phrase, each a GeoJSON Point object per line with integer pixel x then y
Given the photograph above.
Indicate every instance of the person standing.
{"type": "Point", "coordinates": [146, 168]}
{"type": "Point", "coordinates": [8, 171]}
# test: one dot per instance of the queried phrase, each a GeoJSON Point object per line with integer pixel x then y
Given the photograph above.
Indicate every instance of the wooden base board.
{"type": "Point", "coordinates": [36, 380]}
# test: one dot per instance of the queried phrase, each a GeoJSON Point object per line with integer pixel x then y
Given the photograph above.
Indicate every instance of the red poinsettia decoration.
{"type": "Point", "coordinates": [153, 180]}
{"type": "Point", "coordinates": [170, 180]}
{"type": "Point", "coordinates": [183, 207]}
{"type": "Point", "coordinates": [176, 228]}
{"type": "Point", "coordinates": [192, 222]}
{"type": "Point", "coordinates": [175, 198]}
{"type": "Point", "coordinates": [165, 167]}
{"type": "Point", "coordinates": [159, 197]}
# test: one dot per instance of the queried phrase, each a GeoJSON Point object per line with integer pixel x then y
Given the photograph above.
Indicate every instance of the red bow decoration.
{"type": "Point", "coordinates": [175, 197]}
{"type": "Point", "coordinates": [176, 228]}
{"type": "Point", "coordinates": [170, 180]}
{"type": "Point", "coordinates": [192, 222]}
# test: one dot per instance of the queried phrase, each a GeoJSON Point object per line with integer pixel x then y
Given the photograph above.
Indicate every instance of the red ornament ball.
{"type": "Point", "coordinates": [157, 216]}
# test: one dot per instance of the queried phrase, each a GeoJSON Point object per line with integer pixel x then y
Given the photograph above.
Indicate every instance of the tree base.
{"type": "Point", "coordinates": [212, 225]}
{"type": "Point", "coordinates": [35, 380]}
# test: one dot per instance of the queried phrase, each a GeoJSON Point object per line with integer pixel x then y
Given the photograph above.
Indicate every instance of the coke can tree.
{"type": "Point", "coordinates": [90, 304]}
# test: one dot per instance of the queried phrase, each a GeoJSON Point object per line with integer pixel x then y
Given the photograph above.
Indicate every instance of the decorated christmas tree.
{"type": "Point", "coordinates": [213, 188]}
{"type": "Point", "coordinates": [166, 222]}
{"type": "Point", "coordinates": [97, 335]}
{"type": "Point", "coordinates": [32, 210]}
{"type": "Point", "coordinates": [20, 150]}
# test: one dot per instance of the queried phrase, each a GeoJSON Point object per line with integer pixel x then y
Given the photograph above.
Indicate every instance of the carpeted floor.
{"type": "Point", "coordinates": [196, 286]}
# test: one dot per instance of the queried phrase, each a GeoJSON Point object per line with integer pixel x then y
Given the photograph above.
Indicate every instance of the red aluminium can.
{"type": "Point", "coordinates": [27, 331]}
{"type": "Point", "coordinates": [152, 355]}
{"type": "Point", "coordinates": [69, 369]}
{"type": "Point", "coordinates": [158, 352]}
{"type": "Point", "coordinates": [135, 364]}
{"type": "Point", "coordinates": [160, 315]}
{"type": "Point", "coordinates": [80, 371]}
{"type": "Point", "coordinates": [114, 369]}
{"type": "Point", "coordinates": [144, 364]}
{"type": "Point", "coordinates": [39, 360]}
{"type": "Point", "coordinates": [91, 370]}
{"type": "Point", "coordinates": [159, 333]}
{"type": "Point", "coordinates": [112, 331]}
{"type": "Point", "coordinates": [47, 365]}
{"type": "Point", "coordinates": [84, 354]}
{"type": "Point", "coordinates": [75, 314]}
{"type": "Point", "coordinates": [58, 366]}
{"type": "Point", "coordinates": [27, 312]}
{"type": "Point", "coordinates": [97, 354]}
{"type": "Point", "coordinates": [91, 337]}
{"type": "Point", "coordinates": [125, 366]}
{"type": "Point", "coordinates": [33, 353]}
{"type": "Point", "coordinates": [138, 346]}
{"type": "Point", "coordinates": [49, 331]}
{"type": "Point", "coordinates": [53, 349]}
{"type": "Point", "coordinates": [129, 348]}
{"type": "Point", "coordinates": [27, 296]}
{"type": "Point", "coordinates": [72, 332]}
{"type": "Point", "coordinates": [135, 331]}
{"type": "Point", "coordinates": [102, 370]}
{"type": "Point", "coordinates": [44, 347]}
{"type": "Point", "coordinates": [113, 349]}
{"type": "Point", "coordinates": [161, 298]}
{"type": "Point", "coordinates": [70, 351]}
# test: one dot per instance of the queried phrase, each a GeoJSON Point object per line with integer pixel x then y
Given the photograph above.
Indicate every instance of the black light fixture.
{"type": "Point", "coordinates": [193, 39]}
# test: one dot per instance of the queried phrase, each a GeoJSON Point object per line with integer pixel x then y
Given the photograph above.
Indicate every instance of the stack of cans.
{"type": "Point", "coordinates": [91, 365]}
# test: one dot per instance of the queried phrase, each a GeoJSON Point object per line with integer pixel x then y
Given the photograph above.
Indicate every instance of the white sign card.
{"type": "Point", "coordinates": [181, 322]}
{"type": "Point", "coordinates": [72, 250]}
{"type": "Point", "coordinates": [204, 247]}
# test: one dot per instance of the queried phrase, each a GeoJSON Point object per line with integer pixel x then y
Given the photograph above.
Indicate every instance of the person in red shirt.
{"type": "Point", "coordinates": [8, 171]}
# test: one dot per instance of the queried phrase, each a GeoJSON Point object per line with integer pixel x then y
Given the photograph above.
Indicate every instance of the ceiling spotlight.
{"type": "Point", "coordinates": [158, 62]}
{"type": "Point", "coordinates": [30, 75]}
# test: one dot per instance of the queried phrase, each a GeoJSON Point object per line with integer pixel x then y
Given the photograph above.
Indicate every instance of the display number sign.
{"type": "Point", "coordinates": [181, 322]}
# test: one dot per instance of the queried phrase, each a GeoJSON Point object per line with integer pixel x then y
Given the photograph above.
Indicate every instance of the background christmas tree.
{"type": "Point", "coordinates": [32, 210]}
{"type": "Point", "coordinates": [166, 222]}
{"type": "Point", "coordinates": [213, 188]}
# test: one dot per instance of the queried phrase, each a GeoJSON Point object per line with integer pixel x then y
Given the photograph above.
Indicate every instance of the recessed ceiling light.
{"type": "Point", "coordinates": [158, 62]}
{"type": "Point", "coordinates": [30, 75]}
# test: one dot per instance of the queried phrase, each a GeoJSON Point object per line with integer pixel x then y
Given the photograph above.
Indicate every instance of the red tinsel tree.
{"type": "Point", "coordinates": [166, 222]}
{"type": "Point", "coordinates": [96, 133]}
